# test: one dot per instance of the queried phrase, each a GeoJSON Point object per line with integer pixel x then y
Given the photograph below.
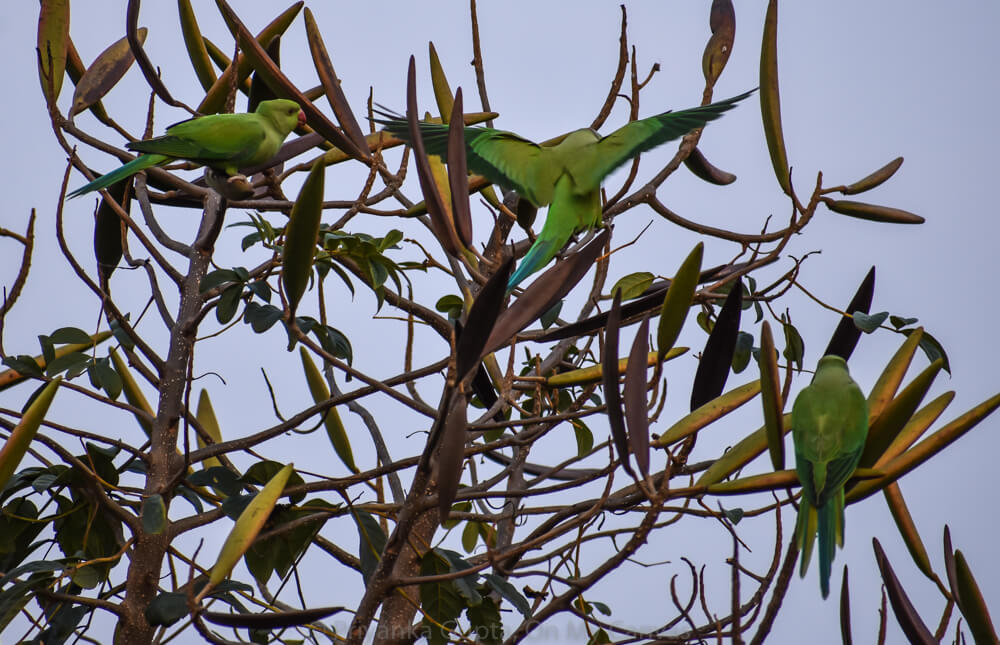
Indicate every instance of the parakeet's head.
{"type": "Point", "coordinates": [286, 115]}
{"type": "Point", "coordinates": [832, 369]}
{"type": "Point", "coordinates": [831, 363]}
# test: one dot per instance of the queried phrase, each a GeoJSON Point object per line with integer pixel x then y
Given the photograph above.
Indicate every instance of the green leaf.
{"type": "Point", "coordinates": [451, 305]}
{"type": "Point", "coordinates": [334, 341]}
{"type": "Point", "coordinates": [167, 608]}
{"type": "Point", "coordinates": [106, 377]}
{"type": "Point", "coordinates": [261, 317]}
{"type": "Point", "coordinates": [23, 364]}
{"type": "Point", "coordinates": [584, 437]}
{"type": "Point", "coordinates": [485, 622]}
{"type": "Point", "coordinates": [66, 335]}
{"type": "Point", "coordinates": [470, 536]}
{"type": "Point", "coordinates": [72, 364]}
{"type": "Point", "coordinates": [795, 347]}
{"type": "Point", "coordinates": [218, 477]}
{"type": "Point", "coordinates": [260, 289]}
{"type": "Point", "coordinates": [441, 599]}
{"type": "Point", "coordinates": [154, 514]}
{"type": "Point", "coordinates": [633, 285]}
{"type": "Point", "coordinates": [228, 303]}
{"type": "Point", "coordinates": [217, 278]}
{"type": "Point", "coordinates": [899, 322]}
{"type": "Point", "coordinates": [372, 542]}
{"type": "Point", "coordinates": [868, 323]}
{"type": "Point", "coordinates": [551, 315]}
{"type": "Point", "coordinates": [741, 355]}
{"type": "Point", "coordinates": [507, 591]}
{"type": "Point", "coordinates": [734, 515]}
{"type": "Point", "coordinates": [233, 505]}
{"type": "Point", "coordinates": [263, 471]}
{"type": "Point", "coordinates": [391, 240]}
{"type": "Point", "coordinates": [48, 348]}
{"type": "Point", "coordinates": [121, 335]}
{"type": "Point", "coordinates": [932, 349]}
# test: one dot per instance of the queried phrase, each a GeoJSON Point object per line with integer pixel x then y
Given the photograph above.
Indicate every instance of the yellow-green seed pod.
{"type": "Point", "coordinates": [712, 411]}
{"type": "Point", "coordinates": [875, 179]}
{"type": "Point", "coordinates": [677, 302]}
{"type": "Point", "coordinates": [907, 529]}
{"type": "Point", "coordinates": [215, 97]}
{"type": "Point", "coordinates": [53, 45]}
{"type": "Point", "coordinates": [594, 373]}
{"type": "Point", "coordinates": [246, 529]}
{"type": "Point", "coordinates": [132, 393]}
{"type": "Point", "coordinates": [334, 425]}
{"type": "Point", "coordinates": [22, 434]}
{"type": "Point", "coordinates": [770, 398]}
{"type": "Point", "coordinates": [104, 73]}
{"type": "Point", "coordinates": [872, 212]}
{"type": "Point", "coordinates": [194, 42]}
{"type": "Point", "coordinates": [739, 455]}
{"type": "Point", "coordinates": [206, 417]}
{"type": "Point", "coordinates": [770, 102]}
{"type": "Point", "coordinates": [301, 234]}
{"type": "Point", "coordinates": [442, 91]}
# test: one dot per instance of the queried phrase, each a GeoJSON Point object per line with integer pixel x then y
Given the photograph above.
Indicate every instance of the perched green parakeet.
{"type": "Point", "coordinates": [566, 176]}
{"type": "Point", "coordinates": [225, 142]}
{"type": "Point", "coordinates": [829, 428]}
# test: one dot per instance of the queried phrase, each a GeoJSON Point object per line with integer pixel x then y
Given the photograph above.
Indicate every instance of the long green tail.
{"type": "Point", "coordinates": [824, 525]}
{"type": "Point", "coordinates": [827, 528]}
{"type": "Point", "coordinates": [569, 212]}
{"type": "Point", "coordinates": [129, 169]}
{"type": "Point", "coordinates": [543, 250]}
{"type": "Point", "coordinates": [805, 533]}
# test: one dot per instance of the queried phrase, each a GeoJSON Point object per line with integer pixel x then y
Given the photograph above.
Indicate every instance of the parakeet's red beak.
{"type": "Point", "coordinates": [302, 118]}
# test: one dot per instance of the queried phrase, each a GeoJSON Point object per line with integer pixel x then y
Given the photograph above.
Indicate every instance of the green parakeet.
{"type": "Point", "coordinates": [225, 142]}
{"type": "Point", "coordinates": [829, 428]}
{"type": "Point", "coordinates": [566, 176]}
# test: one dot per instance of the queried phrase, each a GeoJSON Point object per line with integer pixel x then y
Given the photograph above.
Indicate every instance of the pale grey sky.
{"type": "Point", "coordinates": [861, 84]}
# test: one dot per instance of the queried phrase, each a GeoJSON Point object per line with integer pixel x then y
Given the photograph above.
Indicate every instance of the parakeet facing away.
{"type": "Point", "coordinates": [829, 428]}
{"type": "Point", "coordinates": [226, 142]}
{"type": "Point", "coordinates": [567, 176]}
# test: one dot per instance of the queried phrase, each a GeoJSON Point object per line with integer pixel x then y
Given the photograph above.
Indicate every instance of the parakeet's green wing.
{"type": "Point", "coordinates": [639, 136]}
{"type": "Point", "coordinates": [502, 157]}
{"type": "Point", "coordinates": [525, 166]}
{"type": "Point", "coordinates": [838, 471]}
{"type": "Point", "coordinates": [229, 137]}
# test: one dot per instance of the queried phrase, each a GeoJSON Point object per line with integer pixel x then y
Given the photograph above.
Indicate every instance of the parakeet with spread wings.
{"type": "Point", "coordinates": [566, 176]}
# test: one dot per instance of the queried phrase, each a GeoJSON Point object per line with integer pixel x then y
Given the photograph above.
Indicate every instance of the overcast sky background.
{"type": "Point", "coordinates": [861, 83]}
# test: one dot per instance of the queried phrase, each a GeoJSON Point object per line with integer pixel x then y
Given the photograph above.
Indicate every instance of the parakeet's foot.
{"type": "Point", "coordinates": [235, 187]}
